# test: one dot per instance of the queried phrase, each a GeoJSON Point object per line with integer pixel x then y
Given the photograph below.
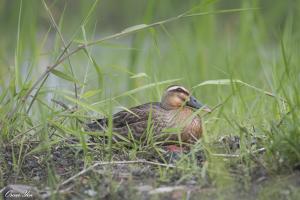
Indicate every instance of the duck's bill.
{"type": "Point", "coordinates": [194, 103]}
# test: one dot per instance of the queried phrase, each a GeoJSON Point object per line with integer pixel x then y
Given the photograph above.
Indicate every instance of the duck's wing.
{"type": "Point", "coordinates": [138, 114]}
{"type": "Point", "coordinates": [134, 115]}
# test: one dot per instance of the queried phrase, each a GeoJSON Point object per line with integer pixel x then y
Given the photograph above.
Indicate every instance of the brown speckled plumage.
{"type": "Point", "coordinates": [171, 117]}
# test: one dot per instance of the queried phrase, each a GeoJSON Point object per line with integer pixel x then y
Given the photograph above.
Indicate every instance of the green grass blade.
{"type": "Point", "coordinates": [18, 79]}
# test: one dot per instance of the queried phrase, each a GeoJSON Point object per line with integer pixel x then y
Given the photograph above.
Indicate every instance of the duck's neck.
{"type": "Point", "coordinates": [167, 106]}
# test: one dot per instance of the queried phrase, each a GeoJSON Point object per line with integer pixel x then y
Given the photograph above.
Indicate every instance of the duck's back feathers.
{"type": "Point", "coordinates": [136, 118]}
{"type": "Point", "coordinates": [135, 114]}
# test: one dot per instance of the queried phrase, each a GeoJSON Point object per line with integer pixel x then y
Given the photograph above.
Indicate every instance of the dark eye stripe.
{"type": "Point", "coordinates": [182, 91]}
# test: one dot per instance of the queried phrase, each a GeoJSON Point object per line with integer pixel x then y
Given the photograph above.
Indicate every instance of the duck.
{"type": "Point", "coordinates": [172, 119]}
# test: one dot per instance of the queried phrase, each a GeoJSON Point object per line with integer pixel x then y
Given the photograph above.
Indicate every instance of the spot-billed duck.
{"type": "Point", "coordinates": [173, 117]}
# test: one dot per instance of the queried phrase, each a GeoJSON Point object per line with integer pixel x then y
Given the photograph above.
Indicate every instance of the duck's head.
{"type": "Point", "coordinates": [176, 96]}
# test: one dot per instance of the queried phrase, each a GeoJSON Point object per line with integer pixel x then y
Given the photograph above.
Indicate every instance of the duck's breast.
{"type": "Point", "coordinates": [191, 126]}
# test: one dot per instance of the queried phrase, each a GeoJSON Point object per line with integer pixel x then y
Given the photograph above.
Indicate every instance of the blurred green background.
{"type": "Point", "coordinates": [210, 47]}
{"type": "Point", "coordinates": [246, 45]}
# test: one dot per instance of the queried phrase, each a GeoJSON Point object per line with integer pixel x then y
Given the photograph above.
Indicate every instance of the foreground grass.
{"type": "Point", "coordinates": [250, 148]}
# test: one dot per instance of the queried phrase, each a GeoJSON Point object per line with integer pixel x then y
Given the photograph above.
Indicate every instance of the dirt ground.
{"type": "Point", "coordinates": [51, 175]}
